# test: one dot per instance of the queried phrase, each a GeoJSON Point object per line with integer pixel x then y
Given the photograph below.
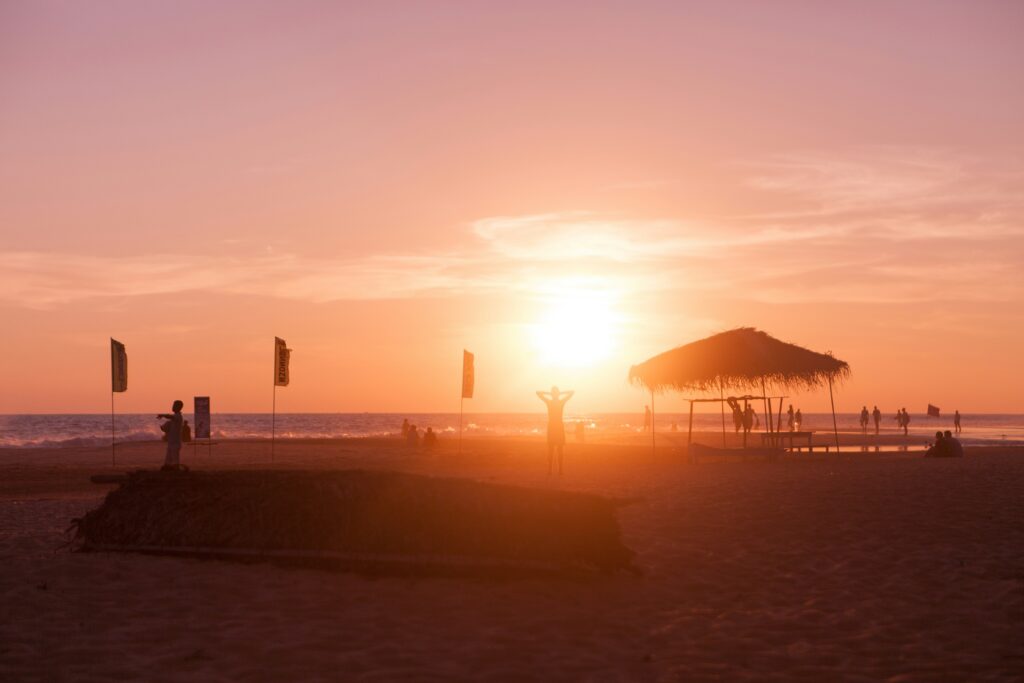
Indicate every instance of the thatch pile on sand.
{"type": "Point", "coordinates": [357, 519]}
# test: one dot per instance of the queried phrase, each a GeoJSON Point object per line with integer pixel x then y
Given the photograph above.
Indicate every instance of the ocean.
{"type": "Point", "coordinates": [41, 431]}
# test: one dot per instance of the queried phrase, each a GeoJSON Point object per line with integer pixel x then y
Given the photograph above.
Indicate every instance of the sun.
{"type": "Point", "coordinates": [576, 327]}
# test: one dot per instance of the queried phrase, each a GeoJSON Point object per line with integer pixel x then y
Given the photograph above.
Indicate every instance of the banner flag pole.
{"type": "Point", "coordinates": [273, 420]}
{"type": "Point", "coordinates": [468, 382]}
{"type": "Point", "coordinates": [118, 382]}
{"type": "Point", "coordinates": [462, 402]}
{"type": "Point", "coordinates": [113, 456]}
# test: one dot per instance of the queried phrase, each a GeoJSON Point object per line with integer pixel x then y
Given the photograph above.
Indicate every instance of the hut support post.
{"type": "Point", "coordinates": [652, 422]}
{"type": "Point", "coordinates": [766, 405]}
{"type": "Point", "coordinates": [721, 395]}
{"type": "Point", "coordinates": [835, 428]}
{"type": "Point", "coordinates": [689, 434]}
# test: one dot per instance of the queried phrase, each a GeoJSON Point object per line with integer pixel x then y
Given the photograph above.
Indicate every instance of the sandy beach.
{"type": "Point", "coordinates": [873, 567]}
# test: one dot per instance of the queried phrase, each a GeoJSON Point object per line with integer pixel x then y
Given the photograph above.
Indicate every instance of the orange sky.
{"type": "Point", "coordinates": [563, 188]}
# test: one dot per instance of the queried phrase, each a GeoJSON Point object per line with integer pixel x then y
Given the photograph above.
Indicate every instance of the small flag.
{"type": "Point", "coordinates": [282, 356]}
{"type": "Point", "coordinates": [468, 374]}
{"type": "Point", "coordinates": [118, 366]}
{"type": "Point", "coordinates": [933, 411]}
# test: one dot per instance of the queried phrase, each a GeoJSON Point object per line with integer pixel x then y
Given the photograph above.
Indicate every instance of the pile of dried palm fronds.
{"type": "Point", "coordinates": [357, 518]}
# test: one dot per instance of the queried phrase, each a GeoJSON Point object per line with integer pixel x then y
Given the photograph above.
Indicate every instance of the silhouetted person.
{"type": "Point", "coordinates": [555, 401]}
{"type": "Point", "coordinates": [429, 438]}
{"type": "Point", "coordinates": [864, 420]}
{"type": "Point", "coordinates": [647, 418]}
{"type": "Point", "coordinates": [748, 419]}
{"type": "Point", "coordinates": [737, 413]}
{"type": "Point", "coordinates": [412, 437]}
{"type": "Point", "coordinates": [790, 420]}
{"type": "Point", "coordinates": [956, 449]}
{"type": "Point", "coordinates": [405, 427]}
{"type": "Point", "coordinates": [799, 418]}
{"type": "Point", "coordinates": [906, 421]}
{"type": "Point", "coordinates": [939, 449]}
{"type": "Point", "coordinates": [956, 421]}
{"type": "Point", "coordinates": [172, 428]}
{"type": "Point", "coordinates": [877, 415]}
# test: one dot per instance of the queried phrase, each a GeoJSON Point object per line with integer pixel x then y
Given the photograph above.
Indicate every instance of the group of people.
{"type": "Point", "coordinates": [866, 417]}
{"type": "Point", "coordinates": [412, 438]}
{"type": "Point", "coordinates": [946, 446]}
{"type": "Point", "coordinates": [794, 420]}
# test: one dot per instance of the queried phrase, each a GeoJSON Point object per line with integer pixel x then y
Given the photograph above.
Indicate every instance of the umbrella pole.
{"type": "Point", "coordinates": [721, 395]}
{"type": "Point", "coordinates": [835, 429]}
{"type": "Point", "coordinates": [689, 434]}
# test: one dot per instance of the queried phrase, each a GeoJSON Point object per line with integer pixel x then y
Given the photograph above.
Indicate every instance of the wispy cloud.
{"type": "Point", "coordinates": [878, 225]}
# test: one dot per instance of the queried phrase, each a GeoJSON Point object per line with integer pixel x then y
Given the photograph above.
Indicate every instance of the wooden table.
{"type": "Point", "coordinates": [780, 438]}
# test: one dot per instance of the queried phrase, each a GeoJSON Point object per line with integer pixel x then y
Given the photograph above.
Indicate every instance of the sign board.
{"type": "Point", "coordinates": [202, 417]}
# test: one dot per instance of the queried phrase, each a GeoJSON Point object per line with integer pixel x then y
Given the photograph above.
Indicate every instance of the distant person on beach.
{"type": "Point", "coordinates": [172, 429]}
{"type": "Point", "coordinates": [412, 437]}
{"type": "Point", "coordinates": [864, 417]}
{"type": "Point", "coordinates": [555, 401]}
{"type": "Point", "coordinates": [956, 449]}
{"type": "Point", "coordinates": [877, 415]}
{"type": "Point", "coordinates": [405, 427]}
{"type": "Point", "coordinates": [906, 421]}
{"type": "Point", "coordinates": [737, 413]}
{"type": "Point", "coordinates": [748, 419]}
{"type": "Point", "coordinates": [790, 420]}
{"type": "Point", "coordinates": [956, 421]}
{"type": "Point", "coordinates": [647, 418]}
{"type": "Point", "coordinates": [799, 417]}
{"type": "Point", "coordinates": [429, 438]}
{"type": "Point", "coordinates": [939, 449]}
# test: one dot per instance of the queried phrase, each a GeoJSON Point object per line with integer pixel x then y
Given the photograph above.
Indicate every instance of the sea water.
{"type": "Point", "coordinates": [28, 431]}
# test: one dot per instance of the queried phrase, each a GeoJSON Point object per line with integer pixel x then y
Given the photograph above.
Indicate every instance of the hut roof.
{"type": "Point", "coordinates": [737, 358]}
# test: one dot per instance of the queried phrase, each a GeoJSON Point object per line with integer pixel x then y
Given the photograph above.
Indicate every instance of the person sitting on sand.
{"type": "Point", "coordinates": [877, 415]}
{"type": "Point", "coordinates": [555, 401]}
{"type": "Point", "coordinates": [172, 429]}
{"type": "Point", "coordinates": [429, 438]}
{"type": "Point", "coordinates": [956, 449]}
{"type": "Point", "coordinates": [790, 420]}
{"type": "Point", "coordinates": [412, 437]}
{"type": "Point", "coordinates": [939, 449]}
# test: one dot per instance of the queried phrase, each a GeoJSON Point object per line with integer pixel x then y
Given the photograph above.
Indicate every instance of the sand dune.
{"type": "Point", "coordinates": [857, 567]}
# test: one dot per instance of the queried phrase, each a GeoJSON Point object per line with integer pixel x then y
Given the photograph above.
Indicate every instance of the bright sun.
{"type": "Point", "coordinates": [576, 327]}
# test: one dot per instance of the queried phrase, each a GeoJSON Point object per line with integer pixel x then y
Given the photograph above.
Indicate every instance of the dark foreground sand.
{"type": "Point", "coordinates": [854, 567]}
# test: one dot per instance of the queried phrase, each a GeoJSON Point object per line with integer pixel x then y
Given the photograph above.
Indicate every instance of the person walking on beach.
{"type": "Point", "coordinates": [877, 414]}
{"type": "Point", "coordinates": [799, 419]}
{"type": "Point", "coordinates": [555, 401]}
{"type": "Point", "coordinates": [956, 421]}
{"type": "Point", "coordinates": [864, 420]}
{"type": "Point", "coordinates": [172, 428]}
{"type": "Point", "coordinates": [748, 419]}
{"type": "Point", "coordinates": [906, 421]}
{"type": "Point", "coordinates": [790, 420]}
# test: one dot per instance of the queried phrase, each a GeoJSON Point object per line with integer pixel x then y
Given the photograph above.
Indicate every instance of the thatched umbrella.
{"type": "Point", "coordinates": [740, 358]}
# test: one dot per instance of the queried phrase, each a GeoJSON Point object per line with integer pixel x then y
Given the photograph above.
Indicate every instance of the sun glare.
{"type": "Point", "coordinates": [576, 327]}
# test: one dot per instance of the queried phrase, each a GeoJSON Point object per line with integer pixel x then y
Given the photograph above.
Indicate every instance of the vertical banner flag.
{"type": "Point", "coordinates": [467, 374]}
{"type": "Point", "coordinates": [202, 417]}
{"type": "Point", "coordinates": [933, 411]}
{"type": "Point", "coordinates": [282, 355]}
{"type": "Point", "coordinates": [118, 366]}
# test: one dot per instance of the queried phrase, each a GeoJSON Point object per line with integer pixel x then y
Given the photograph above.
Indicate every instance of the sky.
{"type": "Point", "coordinates": [563, 188]}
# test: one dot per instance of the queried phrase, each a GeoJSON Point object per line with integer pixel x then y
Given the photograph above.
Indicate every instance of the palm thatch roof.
{"type": "Point", "coordinates": [736, 359]}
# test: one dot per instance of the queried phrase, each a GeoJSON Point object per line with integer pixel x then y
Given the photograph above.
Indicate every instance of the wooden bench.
{"type": "Point", "coordinates": [781, 437]}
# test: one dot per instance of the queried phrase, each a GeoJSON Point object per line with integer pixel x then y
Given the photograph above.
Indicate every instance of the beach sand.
{"type": "Point", "coordinates": [873, 567]}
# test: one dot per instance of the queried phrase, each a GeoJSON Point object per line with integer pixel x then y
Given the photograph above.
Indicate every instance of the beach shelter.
{"type": "Point", "coordinates": [740, 359]}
